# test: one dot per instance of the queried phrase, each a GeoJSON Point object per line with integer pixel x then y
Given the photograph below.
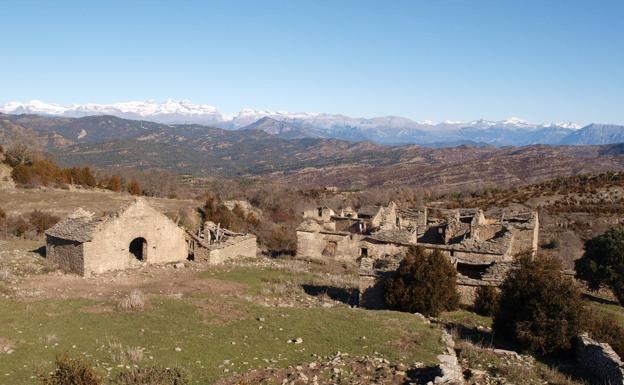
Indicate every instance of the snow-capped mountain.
{"type": "Point", "coordinates": [596, 134]}
{"type": "Point", "coordinates": [170, 111]}
{"type": "Point", "coordinates": [385, 130]}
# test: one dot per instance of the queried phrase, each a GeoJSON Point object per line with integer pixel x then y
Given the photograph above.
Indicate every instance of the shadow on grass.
{"type": "Point", "coordinates": [422, 375]}
{"type": "Point", "coordinates": [344, 295]}
{"type": "Point", "coordinates": [593, 298]}
{"type": "Point", "coordinates": [565, 363]}
{"type": "Point", "coordinates": [40, 250]}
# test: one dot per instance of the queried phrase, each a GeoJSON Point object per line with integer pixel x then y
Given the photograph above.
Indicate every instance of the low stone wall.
{"type": "Point", "coordinates": [244, 246]}
{"type": "Point", "coordinates": [600, 360]}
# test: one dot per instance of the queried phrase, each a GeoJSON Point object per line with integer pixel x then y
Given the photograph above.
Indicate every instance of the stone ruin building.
{"type": "Point", "coordinates": [481, 248]}
{"type": "Point", "coordinates": [216, 245]}
{"type": "Point", "coordinates": [137, 234]}
{"type": "Point", "coordinates": [87, 244]}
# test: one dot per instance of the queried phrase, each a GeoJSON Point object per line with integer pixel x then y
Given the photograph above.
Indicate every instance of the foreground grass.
{"type": "Point", "coordinates": [183, 332]}
{"type": "Point", "coordinates": [256, 280]}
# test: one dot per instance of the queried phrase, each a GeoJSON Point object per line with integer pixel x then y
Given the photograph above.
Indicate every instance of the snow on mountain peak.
{"type": "Point", "coordinates": [515, 121]}
{"type": "Point", "coordinates": [569, 125]}
{"type": "Point", "coordinates": [173, 111]}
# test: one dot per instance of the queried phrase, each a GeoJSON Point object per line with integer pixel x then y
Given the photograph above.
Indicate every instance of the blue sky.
{"type": "Point", "coordinates": [541, 60]}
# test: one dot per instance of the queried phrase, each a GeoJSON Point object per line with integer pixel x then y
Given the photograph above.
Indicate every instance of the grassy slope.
{"type": "Point", "coordinates": [613, 310]}
{"type": "Point", "coordinates": [63, 202]}
{"type": "Point", "coordinates": [205, 336]}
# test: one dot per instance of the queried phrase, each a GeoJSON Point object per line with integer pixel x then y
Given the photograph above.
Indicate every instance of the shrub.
{"type": "Point", "coordinates": [604, 328]}
{"type": "Point", "coordinates": [43, 172]}
{"type": "Point", "coordinates": [41, 221]}
{"type": "Point", "coordinates": [553, 243]}
{"type": "Point", "coordinates": [134, 188]}
{"type": "Point", "coordinates": [603, 262]}
{"type": "Point", "coordinates": [152, 376]}
{"type": "Point", "coordinates": [71, 371]}
{"type": "Point", "coordinates": [114, 183]}
{"type": "Point", "coordinates": [135, 301]}
{"type": "Point", "coordinates": [486, 301]}
{"type": "Point", "coordinates": [538, 308]}
{"type": "Point", "coordinates": [280, 240]}
{"type": "Point", "coordinates": [17, 226]}
{"type": "Point", "coordinates": [424, 283]}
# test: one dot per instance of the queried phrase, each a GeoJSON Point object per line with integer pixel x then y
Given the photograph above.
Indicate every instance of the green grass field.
{"type": "Point", "coordinates": [215, 336]}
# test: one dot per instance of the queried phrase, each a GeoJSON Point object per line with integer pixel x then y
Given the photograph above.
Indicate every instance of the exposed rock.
{"type": "Point", "coordinates": [600, 360]}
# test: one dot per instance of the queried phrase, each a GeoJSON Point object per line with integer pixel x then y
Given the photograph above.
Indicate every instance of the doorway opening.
{"type": "Point", "coordinates": [138, 248]}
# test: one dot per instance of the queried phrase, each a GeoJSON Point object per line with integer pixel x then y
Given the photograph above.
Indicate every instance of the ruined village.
{"type": "Point", "coordinates": [240, 192]}
{"type": "Point", "coordinates": [342, 259]}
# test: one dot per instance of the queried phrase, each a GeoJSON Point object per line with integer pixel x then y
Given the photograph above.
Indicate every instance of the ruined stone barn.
{"type": "Point", "coordinates": [215, 245]}
{"type": "Point", "coordinates": [481, 248]}
{"type": "Point", "coordinates": [137, 234]}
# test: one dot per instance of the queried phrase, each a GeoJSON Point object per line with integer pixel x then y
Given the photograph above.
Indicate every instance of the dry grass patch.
{"type": "Point", "coordinates": [5, 274]}
{"type": "Point", "coordinates": [124, 355]}
{"type": "Point", "coordinates": [135, 301]}
{"type": "Point", "coordinates": [50, 339]}
{"type": "Point", "coordinates": [152, 376]}
{"type": "Point", "coordinates": [6, 346]}
{"type": "Point", "coordinates": [71, 371]}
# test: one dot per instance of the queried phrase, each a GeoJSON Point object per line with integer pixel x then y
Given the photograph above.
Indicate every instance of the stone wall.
{"type": "Point", "coordinates": [600, 360]}
{"type": "Point", "coordinates": [381, 250]}
{"type": "Point", "coordinates": [373, 271]}
{"type": "Point", "coordinates": [483, 232]}
{"type": "Point", "coordinates": [68, 255]}
{"type": "Point", "coordinates": [109, 248]}
{"type": "Point", "coordinates": [237, 247]}
{"type": "Point", "coordinates": [525, 237]}
{"type": "Point", "coordinates": [343, 246]}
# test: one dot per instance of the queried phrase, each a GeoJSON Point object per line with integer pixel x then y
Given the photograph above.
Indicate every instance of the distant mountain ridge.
{"type": "Point", "coordinates": [383, 130]}
{"type": "Point", "coordinates": [111, 142]}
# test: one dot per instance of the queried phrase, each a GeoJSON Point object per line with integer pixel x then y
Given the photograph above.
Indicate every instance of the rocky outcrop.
{"type": "Point", "coordinates": [450, 369]}
{"type": "Point", "coordinates": [600, 360]}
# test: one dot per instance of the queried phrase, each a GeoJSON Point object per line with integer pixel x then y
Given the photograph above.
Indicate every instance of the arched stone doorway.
{"type": "Point", "coordinates": [138, 248]}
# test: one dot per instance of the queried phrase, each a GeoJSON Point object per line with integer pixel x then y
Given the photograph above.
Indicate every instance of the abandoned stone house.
{"type": "Point", "coordinates": [137, 234]}
{"type": "Point", "coordinates": [482, 249]}
{"type": "Point", "coordinates": [87, 244]}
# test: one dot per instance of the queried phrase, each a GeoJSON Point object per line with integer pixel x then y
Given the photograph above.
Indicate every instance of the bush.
{"type": "Point", "coordinates": [424, 283]}
{"type": "Point", "coordinates": [486, 301]}
{"type": "Point", "coordinates": [604, 328]}
{"type": "Point", "coordinates": [152, 376]}
{"type": "Point", "coordinates": [71, 371]}
{"type": "Point", "coordinates": [41, 221]}
{"type": "Point", "coordinates": [603, 262]}
{"type": "Point", "coordinates": [539, 309]}
{"type": "Point", "coordinates": [114, 183]}
{"type": "Point", "coordinates": [280, 240]}
{"type": "Point", "coordinates": [17, 226]}
{"type": "Point", "coordinates": [134, 188]}
{"type": "Point", "coordinates": [553, 243]}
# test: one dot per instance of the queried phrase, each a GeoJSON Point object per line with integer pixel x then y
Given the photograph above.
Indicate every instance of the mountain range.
{"type": "Point", "coordinates": [109, 142]}
{"type": "Point", "coordinates": [391, 130]}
